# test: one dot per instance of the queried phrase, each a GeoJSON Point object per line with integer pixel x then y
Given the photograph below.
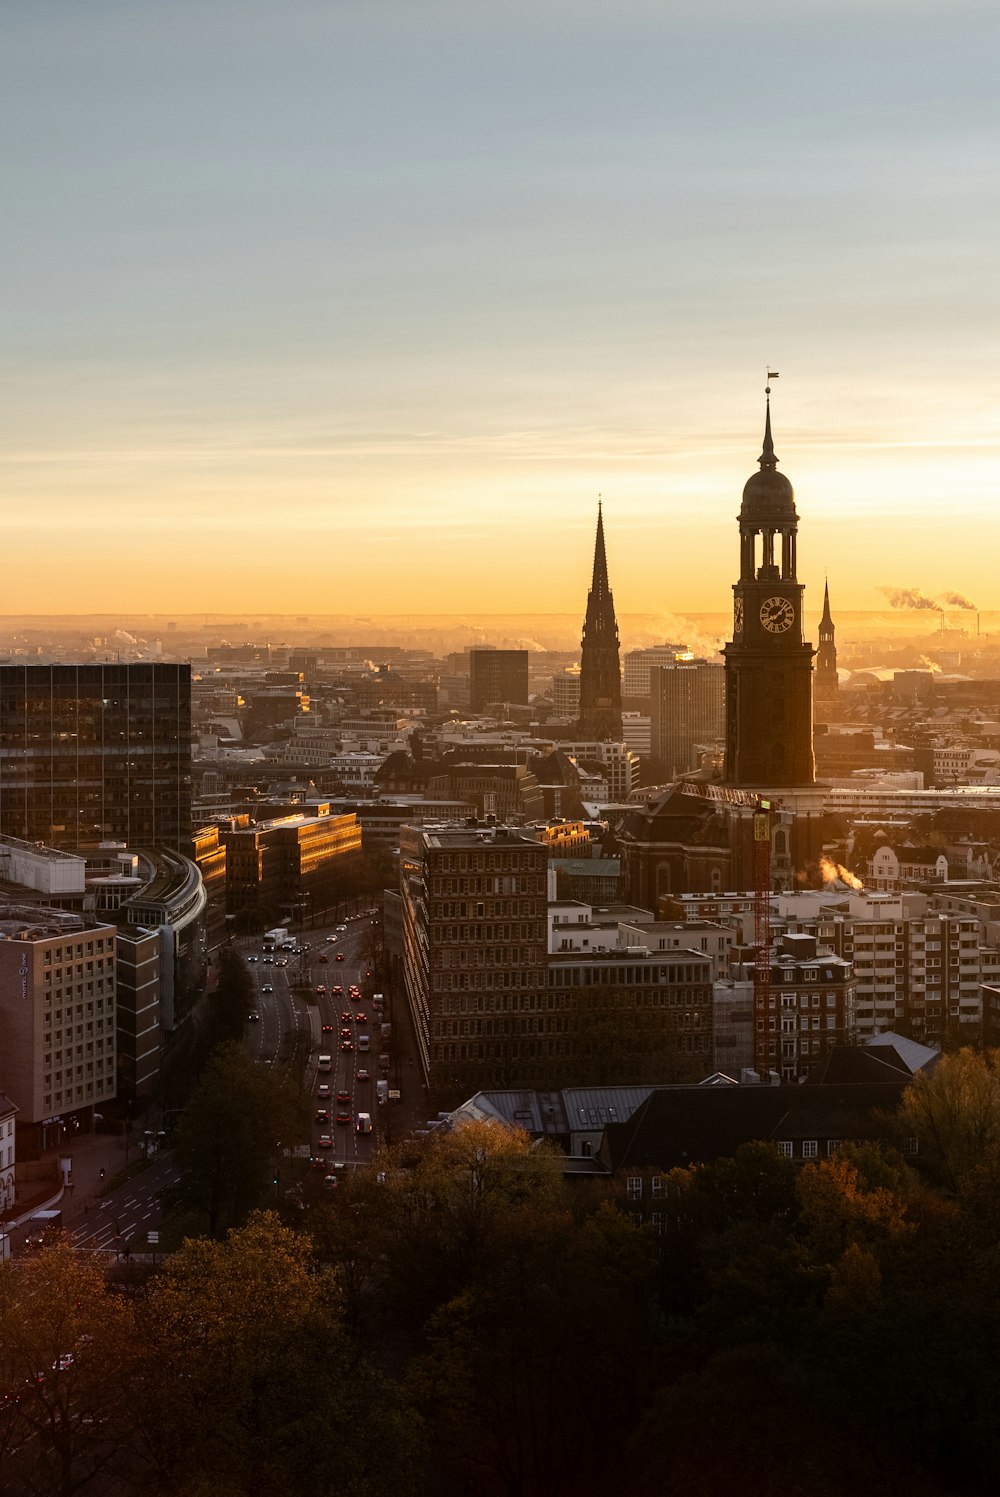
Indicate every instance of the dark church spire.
{"type": "Point", "coordinates": [826, 682]}
{"type": "Point", "coordinates": [600, 671]}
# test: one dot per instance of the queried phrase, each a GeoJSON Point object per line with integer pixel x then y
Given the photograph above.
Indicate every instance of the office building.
{"type": "Point", "coordinates": [90, 753]}
{"type": "Point", "coordinates": [688, 711]}
{"type": "Point", "coordinates": [497, 676]}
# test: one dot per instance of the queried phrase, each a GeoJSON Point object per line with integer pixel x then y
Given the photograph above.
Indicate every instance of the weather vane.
{"type": "Point", "coordinates": [771, 374]}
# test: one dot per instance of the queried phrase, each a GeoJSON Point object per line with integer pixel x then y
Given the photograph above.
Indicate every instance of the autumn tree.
{"type": "Point", "coordinates": [954, 1113]}
{"type": "Point", "coordinates": [68, 1350]}
{"type": "Point", "coordinates": [249, 1384]}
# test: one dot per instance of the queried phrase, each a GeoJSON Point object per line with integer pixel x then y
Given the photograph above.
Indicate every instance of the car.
{"type": "Point", "coordinates": [361, 1018]}
{"type": "Point", "coordinates": [269, 960]}
{"type": "Point", "coordinates": [253, 958]}
{"type": "Point", "coordinates": [267, 988]}
{"type": "Point", "coordinates": [320, 988]}
{"type": "Point", "coordinates": [253, 1017]}
{"type": "Point", "coordinates": [282, 961]}
{"type": "Point", "coordinates": [317, 1162]}
{"type": "Point", "coordinates": [345, 1034]}
{"type": "Point", "coordinates": [347, 1045]}
{"type": "Point", "coordinates": [323, 958]}
{"type": "Point", "coordinates": [322, 1115]}
{"type": "Point", "coordinates": [340, 956]}
{"type": "Point", "coordinates": [341, 929]}
{"type": "Point", "coordinates": [343, 1097]}
{"type": "Point", "coordinates": [337, 989]}
{"type": "Point", "coordinates": [326, 1028]}
{"type": "Point", "coordinates": [331, 1182]}
{"type": "Point", "coordinates": [345, 1017]}
{"type": "Point", "coordinates": [324, 1141]}
{"type": "Point", "coordinates": [362, 1075]}
{"type": "Point", "coordinates": [323, 1090]}
{"type": "Point", "coordinates": [343, 1118]}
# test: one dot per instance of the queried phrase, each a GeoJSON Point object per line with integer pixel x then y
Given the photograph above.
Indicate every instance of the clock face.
{"type": "Point", "coordinates": [777, 615]}
{"type": "Point", "coordinates": [738, 616]}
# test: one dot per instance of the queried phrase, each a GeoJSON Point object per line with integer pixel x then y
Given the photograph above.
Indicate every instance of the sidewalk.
{"type": "Point", "coordinates": [91, 1153]}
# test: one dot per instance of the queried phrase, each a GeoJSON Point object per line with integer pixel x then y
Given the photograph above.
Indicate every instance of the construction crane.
{"type": "Point", "coordinates": [762, 813]}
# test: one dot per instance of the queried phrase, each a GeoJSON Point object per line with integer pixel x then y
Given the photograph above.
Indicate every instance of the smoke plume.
{"type": "Point", "coordinates": [909, 597]}
{"type": "Point", "coordinates": [958, 600]}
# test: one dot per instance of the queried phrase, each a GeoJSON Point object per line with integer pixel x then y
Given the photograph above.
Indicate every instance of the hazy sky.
{"type": "Point", "coordinates": [341, 305]}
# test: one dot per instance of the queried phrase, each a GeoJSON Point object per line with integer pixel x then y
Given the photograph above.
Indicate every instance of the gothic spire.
{"type": "Point", "coordinates": [600, 670]}
{"type": "Point", "coordinates": [767, 458]}
{"type": "Point", "coordinates": [827, 616]}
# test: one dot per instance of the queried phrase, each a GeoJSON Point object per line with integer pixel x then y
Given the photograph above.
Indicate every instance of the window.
{"type": "Point", "coordinates": [911, 1146]}
{"type": "Point", "coordinates": [784, 1149]}
{"type": "Point", "coordinates": [633, 1187]}
{"type": "Point", "coordinates": [832, 1145]}
{"type": "Point", "coordinates": [810, 1148]}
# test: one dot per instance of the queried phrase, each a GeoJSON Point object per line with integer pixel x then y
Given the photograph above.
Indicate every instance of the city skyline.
{"type": "Point", "coordinates": [358, 310]}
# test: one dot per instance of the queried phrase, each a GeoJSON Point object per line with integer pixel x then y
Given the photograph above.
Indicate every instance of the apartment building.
{"type": "Point", "coordinates": [57, 1021]}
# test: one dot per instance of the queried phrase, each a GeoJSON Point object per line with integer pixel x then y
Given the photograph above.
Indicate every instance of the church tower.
{"type": "Point", "coordinates": [600, 672]}
{"type": "Point", "coordinates": [769, 742]}
{"type": "Point", "coordinates": [827, 682]}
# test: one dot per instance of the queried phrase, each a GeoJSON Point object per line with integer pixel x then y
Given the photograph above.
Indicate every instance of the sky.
{"type": "Point", "coordinates": [358, 305]}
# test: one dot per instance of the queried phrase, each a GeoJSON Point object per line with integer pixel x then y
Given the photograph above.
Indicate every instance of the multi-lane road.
{"type": "Point", "coordinates": [124, 1218]}
{"type": "Point", "coordinates": [289, 1023]}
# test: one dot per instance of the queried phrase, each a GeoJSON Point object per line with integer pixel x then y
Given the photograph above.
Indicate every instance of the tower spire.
{"type": "Point", "coordinates": [767, 458]}
{"type": "Point", "coordinates": [600, 671]}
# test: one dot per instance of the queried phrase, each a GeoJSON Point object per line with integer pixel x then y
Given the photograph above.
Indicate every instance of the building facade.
{"type": "Point", "coordinates": [497, 676]}
{"type": "Point", "coordinates": [57, 1021]}
{"type": "Point", "coordinates": [474, 953]}
{"type": "Point", "coordinates": [687, 709]}
{"type": "Point", "coordinates": [92, 752]}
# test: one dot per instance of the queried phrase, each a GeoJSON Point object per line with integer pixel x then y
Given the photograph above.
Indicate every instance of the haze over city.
{"type": "Point", "coordinates": [356, 309]}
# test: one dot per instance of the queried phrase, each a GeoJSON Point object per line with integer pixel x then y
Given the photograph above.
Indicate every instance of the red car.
{"type": "Point", "coordinates": [343, 1097]}
{"type": "Point", "coordinates": [323, 958]}
{"type": "Point", "coordinates": [340, 956]}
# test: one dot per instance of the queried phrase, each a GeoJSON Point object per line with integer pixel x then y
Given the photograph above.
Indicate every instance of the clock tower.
{"type": "Point", "coordinates": [769, 665]}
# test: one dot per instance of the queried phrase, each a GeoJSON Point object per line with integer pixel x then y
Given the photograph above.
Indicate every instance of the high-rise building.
{"type": "Point", "coordinates": [600, 671]}
{"type": "Point", "coordinates": [92, 753]}
{"type": "Point", "coordinates": [638, 664]}
{"type": "Point", "coordinates": [826, 681]}
{"type": "Point", "coordinates": [497, 676]}
{"type": "Point", "coordinates": [688, 708]}
{"type": "Point", "coordinates": [475, 942]}
{"type": "Point", "coordinates": [769, 731]}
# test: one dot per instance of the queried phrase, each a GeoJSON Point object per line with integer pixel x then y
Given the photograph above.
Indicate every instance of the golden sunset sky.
{"type": "Point", "coordinates": [357, 305]}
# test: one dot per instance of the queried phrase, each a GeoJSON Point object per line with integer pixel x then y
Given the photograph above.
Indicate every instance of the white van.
{"type": "Point", "coordinates": [364, 1123]}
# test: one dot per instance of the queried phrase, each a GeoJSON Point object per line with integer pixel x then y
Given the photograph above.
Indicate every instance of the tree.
{"type": "Point", "coordinates": [954, 1112]}
{"type": "Point", "coordinates": [68, 1350]}
{"type": "Point", "coordinates": [230, 1141]}
{"type": "Point", "coordinates": [249, 1384]}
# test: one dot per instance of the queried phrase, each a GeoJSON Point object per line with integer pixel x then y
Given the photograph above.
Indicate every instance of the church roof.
{"type": "Point", "coordinates": [768, 495]}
